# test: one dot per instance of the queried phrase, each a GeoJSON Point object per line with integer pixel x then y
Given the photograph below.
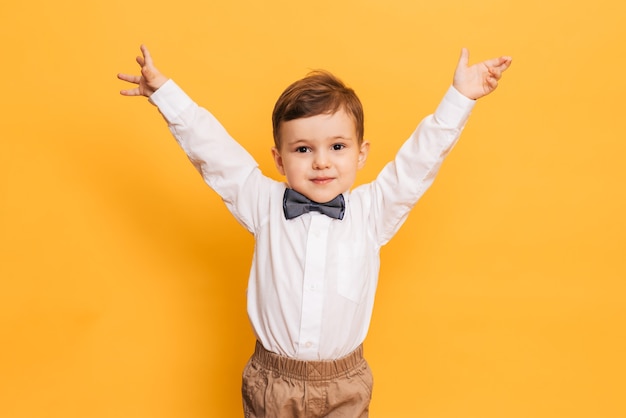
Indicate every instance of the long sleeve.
{"type": "Point", "coordinates": [405, 179]}
{"type": "Point", "coordinates": [224, 164]}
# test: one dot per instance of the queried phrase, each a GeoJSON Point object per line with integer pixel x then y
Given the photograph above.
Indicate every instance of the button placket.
{"type": "Point", "coordinates": [313, 284]}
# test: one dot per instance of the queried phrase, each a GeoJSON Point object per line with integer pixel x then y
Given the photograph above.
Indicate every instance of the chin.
{"type": "Point", "coordinates": [323, 198]}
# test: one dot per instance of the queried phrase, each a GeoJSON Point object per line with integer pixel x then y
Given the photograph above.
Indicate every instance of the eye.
{"type": "Point", "coordinates": [337, 147]}
{"type": "Point", "coordinates": [302, 149]}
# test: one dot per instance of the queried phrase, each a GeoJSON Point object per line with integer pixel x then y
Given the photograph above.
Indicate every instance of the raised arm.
{"type": "Point", "coordinates": [479, 79]}
{"type": "Point", "coordinates": [149, 80]}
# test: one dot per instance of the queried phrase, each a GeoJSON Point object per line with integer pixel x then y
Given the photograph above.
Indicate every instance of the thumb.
{"type": "Point", "coordinates": [463, 59]}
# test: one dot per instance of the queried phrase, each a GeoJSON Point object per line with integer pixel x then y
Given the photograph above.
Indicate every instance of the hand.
{"type": "Point", "coordinates": [149, 81]}
{"type": "Point", "coordinates": [480, 79]}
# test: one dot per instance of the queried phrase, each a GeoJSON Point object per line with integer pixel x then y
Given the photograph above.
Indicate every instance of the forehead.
{"type": "Point", "coordinates": [325, 126]}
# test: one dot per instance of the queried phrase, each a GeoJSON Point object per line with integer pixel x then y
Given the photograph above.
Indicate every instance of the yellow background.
{"type": "Point", "coordinates": [123, 277]}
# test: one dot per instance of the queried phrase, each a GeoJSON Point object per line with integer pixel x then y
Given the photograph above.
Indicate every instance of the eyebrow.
{"type": "Point", "coordinates": [333, 138]}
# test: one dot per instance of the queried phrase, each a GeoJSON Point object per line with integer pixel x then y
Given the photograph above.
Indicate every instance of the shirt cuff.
{"type": "Point", "coordinates": [171, 100]}
{"type": "Point", "coordinates": [454, 109]}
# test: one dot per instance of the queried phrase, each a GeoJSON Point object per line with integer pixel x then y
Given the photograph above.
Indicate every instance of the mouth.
{"type": "Point", "coordinates": [322, 180]}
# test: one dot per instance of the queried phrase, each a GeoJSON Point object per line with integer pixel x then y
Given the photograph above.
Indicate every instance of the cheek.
{"type": "Point", "coordinates": [293, 168]}
{"type": "Point", "coordinates": [350, 165]}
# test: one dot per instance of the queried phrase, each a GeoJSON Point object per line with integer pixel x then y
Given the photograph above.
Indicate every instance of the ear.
{"type": "Point", "coordinates": [278, 160]}
{"type": "Point", "coordinates": [363, 151]}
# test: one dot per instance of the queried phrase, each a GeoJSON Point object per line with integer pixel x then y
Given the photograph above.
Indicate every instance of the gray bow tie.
{"type": "Point", "coordinates": [296, 204]}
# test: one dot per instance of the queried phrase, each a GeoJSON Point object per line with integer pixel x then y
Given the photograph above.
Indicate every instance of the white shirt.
{"type": "Point", "coordinates": [313, 279]}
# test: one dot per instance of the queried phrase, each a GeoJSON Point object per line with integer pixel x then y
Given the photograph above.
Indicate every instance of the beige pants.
{"type": "Point", "coordinates": [275, 386]}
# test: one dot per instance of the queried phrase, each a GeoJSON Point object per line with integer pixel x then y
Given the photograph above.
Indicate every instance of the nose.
{"type": "Point", "coordinates": [321, 160]}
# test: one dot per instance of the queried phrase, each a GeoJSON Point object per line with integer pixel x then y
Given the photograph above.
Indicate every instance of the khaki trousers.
{"type": "Point", "coordinates": [275, 386]}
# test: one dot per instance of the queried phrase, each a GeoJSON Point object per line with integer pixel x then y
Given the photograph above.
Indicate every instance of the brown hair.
{"type": "Point", "coordinates": [318, 93]}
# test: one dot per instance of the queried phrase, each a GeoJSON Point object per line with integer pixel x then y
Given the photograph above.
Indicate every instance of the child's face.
{"type": "Point", "coordinates": [320, 155]}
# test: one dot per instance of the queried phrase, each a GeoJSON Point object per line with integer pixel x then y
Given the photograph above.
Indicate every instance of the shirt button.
{"type": "Point", "coordinates": [308, 345]}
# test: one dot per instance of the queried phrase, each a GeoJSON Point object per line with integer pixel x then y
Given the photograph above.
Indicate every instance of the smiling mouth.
{"type": "Point", "coordinates": [322, 180]}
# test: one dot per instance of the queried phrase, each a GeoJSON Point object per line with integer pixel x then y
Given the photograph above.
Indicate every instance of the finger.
{"type": "Point", "coordinates": [141, 61]}
{"type": "Point", "coordinates": [495, 72]}
{"type": "Point", "coordinates": [492, 82]}
{"type": "Point", "coordinates": [506, 63]}
{"type": "Point", "coordinates": [500, 62]}
{"type": "Point", "coordinates": [131, 92]}
{"type": "Point", "coordinates": [129, 77]}
{"type": "Point", "coordinates": [146, 55]}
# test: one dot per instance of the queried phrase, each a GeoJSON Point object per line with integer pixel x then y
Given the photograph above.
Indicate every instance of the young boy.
{"type": "Point", "coordinates": [316, 258]}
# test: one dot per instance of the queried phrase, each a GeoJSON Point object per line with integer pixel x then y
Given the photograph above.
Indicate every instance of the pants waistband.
{"type": "Point", "coordinates": [308, 370]}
